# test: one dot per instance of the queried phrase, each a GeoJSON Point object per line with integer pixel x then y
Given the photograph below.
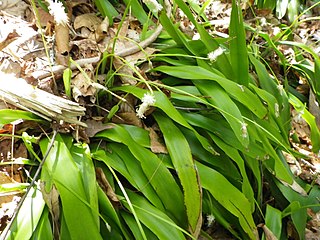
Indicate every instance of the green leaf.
{"type": "Point", "coordinates": [299, 217]}
{"type": "Point", "coordinates": [10, 115]}
{"type": "Point", "coordinates": [28, 217]}
{"type": "Point", "coordinates": [77, 210]}
{"type": "Point", "coordinates": [274, 220]}
{"type": "Point", "coordinates": [165, 105]}
{"type": "Point", "coordinates": [229, 197]}
{"type": "Point", "coordinates": [221, 100]}
{"type": "Point", "coordinates": [141, 182]}
{"type": "Point", "coordinates": [238, 47]}
{"type": "Point", "coordinates": [106, 9]}
{"type": "Point", "coordinates": [67, 81]}
{"type": "Point", "coordinates": [81, 156]}
{"type": "Point", "coordinates": [158, 175]}
{"type": "Point", "coordinates": [43, 230]}
{"type": "Point", "coordinates": [158, 222]}
{"type": "Point", "coordinates": [236, 157]}
{"type": "Point", "coordinates": [183, 163]}
{"type": "Point", "coordinates": [236, 91]}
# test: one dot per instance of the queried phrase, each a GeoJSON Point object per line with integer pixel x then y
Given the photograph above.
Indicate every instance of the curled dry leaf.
{"type": "Point", "coordinates": [52, 200]}
{"type": "Point", "coordinates": [155, 145]}
{"type": "Point", "coordinates": [268, 234]}
{"type": "Point", "coordinates": [94, 127]}
{"type": "Point", "coordinates": [98, 28]}
{"type": "Point", "coordinates": [62, 42]}
{"type": "Point", "coordinates": [89, 20]}
{"type": "Point", "coordinates": [105, 185]}
{"type": "Point", "coordinates": [82, 86]}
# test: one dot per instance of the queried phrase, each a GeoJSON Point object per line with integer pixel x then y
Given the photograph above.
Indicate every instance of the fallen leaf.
{"type": "Point", "coordinates": [94, 127]}
{"type": "Point", "coordinates": [267, 232]}
{"type": "Point", "coordinates": [155, 145]}
{"type": "Point", "coordinates": [105, 185]}
{"type": "Point", "coordinates": [82, 86]}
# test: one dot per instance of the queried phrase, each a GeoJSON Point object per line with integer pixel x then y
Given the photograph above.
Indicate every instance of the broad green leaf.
{"type": "Point", "coordinates": [158, 175]}
{"type": "Point", "coordinates": [273, 162]}
{"type": "Point", "coordinates": [236, 157]}
{"type": "Point", "coordinates": [138, 134]}
{"type": "Point", "coordinates": [299, 217]}
{"type": "Point", "coordinates": [81, 156]}
{"type": "Point", "coordinates": [166, 106]}
{"type": "Point", "coordinates": [219, 162]}
{"type": "Point", "coordinates": [132, 225]}
{"type": "Point", "coordinates": [106, 9]}
{"type": "Point", "coordinates": [10, 115]}
{"type": "Point", "coordinates": [268, 84]}
{"type": "Point", "coordinates": [229, 197]}
{"type": "Point", "coordinates": [141, 182]}
{"type": "Point", "coordinates": [183, 163]}
{"type": "Point", "coordinates": [43, 230]}
{"type": "Point", "coordinates": [221, 100]}
{"type": "Point", "coordinates": [238, 47]}
{"type": "Point", "coordinates": [236, 91]}
{"type": "Point", "coordinates": [28, 217]}
{"type": "Point", "coordinates": [274, 220]}
{"type": "Point", "coordinates": [158, 222]}
{"type": "Point", "coordinates": [77, 210]}
{"type": "Point", "coordinates": [109, 211]}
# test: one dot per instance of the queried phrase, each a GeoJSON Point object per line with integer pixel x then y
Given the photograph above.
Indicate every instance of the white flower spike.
{"type": "Point", "coordinates": [215, 54]}
{"type": "Point", "coordinates": [56, 9]}
{"type": "Point", "coordinates": [147, 101]}
{"type": "Point", "coordinates": [154, 5]}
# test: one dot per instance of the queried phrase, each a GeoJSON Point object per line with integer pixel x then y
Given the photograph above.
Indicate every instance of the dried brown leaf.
{"type": "Point", "coordinates": [94, 127]}
{"type": "Point", "coordinates": [156, 145]}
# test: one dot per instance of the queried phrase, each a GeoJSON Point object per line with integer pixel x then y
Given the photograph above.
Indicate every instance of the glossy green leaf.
{"type": "Point", "coordinates": [158, 175]}
{"type": "Point", "coordinates": [229, 197]}
{"type": "Point", "coordinates": [28, 217]}
{"type": "Point", "coordinates": [166, 106]}
{"type": "Point", "coordinates": [274, 220]}
{"type": "Point", "coordinates": [10, 115]}
{"type": "Point", "coordinates": [183, 163]}
{"type": "Point", "coordinates": [141, 182]}
{"type": "Point", "coordinates": [238, 47]}
{"type": "Point", "coordinates": [236, 91]}
{"type": "Point", "coordinates": [77, 209]}
{"type": "Point", "coordinates": [159, 223]}
{"type": "Point", "coordinates": [106, 9]}
{"type": "Point", "coordinates": [43, 230]}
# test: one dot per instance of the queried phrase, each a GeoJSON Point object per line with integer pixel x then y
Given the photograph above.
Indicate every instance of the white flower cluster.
{"type": "Point", "coordinates": [244, 130]}
{"type": "Point", "coordinates": [214, 54]}
{"type": "Point", "coordinates": [56, 9]}
{"type": "Point", "coordinates": [154, 5]}
{"type": "Point", "coordinates": [147, 101]}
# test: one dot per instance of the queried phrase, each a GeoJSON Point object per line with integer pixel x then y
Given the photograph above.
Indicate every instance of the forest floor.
{"type": "Point", "coordinates": [24, 55]}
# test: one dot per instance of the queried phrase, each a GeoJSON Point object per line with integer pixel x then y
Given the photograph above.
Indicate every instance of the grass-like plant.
{"type": "Point", "coordinates": [225, 124]}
